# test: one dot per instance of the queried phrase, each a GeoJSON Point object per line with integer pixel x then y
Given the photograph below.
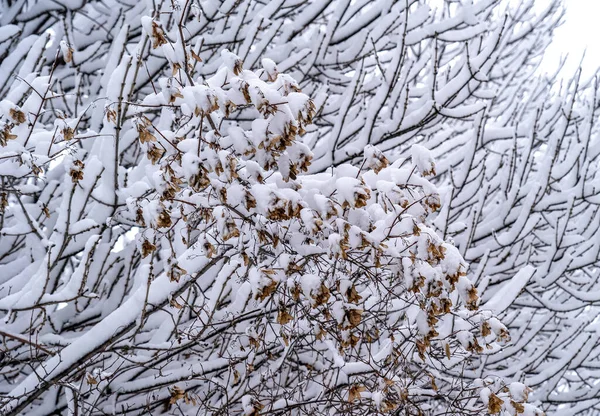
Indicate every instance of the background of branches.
{"type": "Point", "coordinates": [516, 153]}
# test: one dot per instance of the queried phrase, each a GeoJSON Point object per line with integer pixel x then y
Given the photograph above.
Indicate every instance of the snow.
{"type": "Point", "coordinates": [501, 301]}
{"type": "Point", "coordinates": [347, 171]}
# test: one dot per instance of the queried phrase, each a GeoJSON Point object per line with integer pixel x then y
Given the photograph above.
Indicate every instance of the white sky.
{"type": "Point", "coordinates": [581, 30]}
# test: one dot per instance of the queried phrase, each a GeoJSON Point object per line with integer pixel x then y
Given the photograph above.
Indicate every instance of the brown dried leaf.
{"type": "Point", "coordinates": [283, 317]}
{"type": "Point", "coordinates": [231, 231]}
{"type": "Point", "coordinates": [68, 133]}
{"type": "Point", "coordinates": [154, 153]}
{"type": "Point", "coordinates": [422, 347]}
{"type": "Point", "coordinates": [322, 296]}
{"type": "Point", "coordinates": [238, 66]}
{"type": "Point", "coordinates": [352, 295]}
{"type": "Point", "coordinates": [145, 135]}
{"type": "Point", "coordinates": [147, 248]}
{"type": "Point", "coordinates": [244, 88]}
{"type": "Point", "coordinates": [177, 393]}
{"type": "Point", "coordinates": [494, 404]}
{"type": "Point", "coordinates": [518, 407]}
{"type": "Point", "coordinates": [174, 96]}
{"type": "Point", "coordinates": [195, 56]}
{"type": "Point", "coordinates": [433, 385]}
{"type": "Point", "coordinates": [372, 335]}
{"type": "Point", "coordinates": [175, 273]}
{"type": "Point", "coordinates": [111, 116]}
{"type": "Point", "coordinates": [266, 291]}
{"type": "Point", "coordinates": [158, 35]}
{"type": "Point", "coordinates": [139, 217]}
{"type": "Point", "coordinates": [246, 258]}
{"type": "Point", "coordinates": [320, 334]}
{"type": "Point", "coordinates": [209, 249]}
{"type": "Point", "coordinates": [176, 68]}
{"type": "Point", "coordinates": [6, 135]}
{"type": "Point", "coordinates": [76, 175]}
{"type": "Point", "coordinates": [486, 329]}
{"type": "Point", "coordinates": [354, 316]}
{"type": "Point", "coordinates": [472, 298]}
{"type": "Point", "coordinates": [175, 304]}
{"type": "Point", "coordinates": [378, 161]}
{"type": "Point", "coordinates": [354, 392]}
{"type": "Point", "coordinates": [164, 219]}
{"type": "Point", "coordinates": [254, 343]}
{"type": "Point", "coordinates": [17, 115]}
{"type": "Point", "coordinates": [236, 376]}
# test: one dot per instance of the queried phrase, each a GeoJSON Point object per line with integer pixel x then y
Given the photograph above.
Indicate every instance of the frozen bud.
{"type": "Point", "coordinates": [67, 51]}
{"type": "Point", "coordinates": [374, 159]}
{"type": "Point", "coordinates": [196, 12]}
{"type": "Point", "coordinates": [232, 61]}
{"type": "Point", "coordinates": [270, 68]}
{"type": "Point", "coordinates": [422, 160]}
